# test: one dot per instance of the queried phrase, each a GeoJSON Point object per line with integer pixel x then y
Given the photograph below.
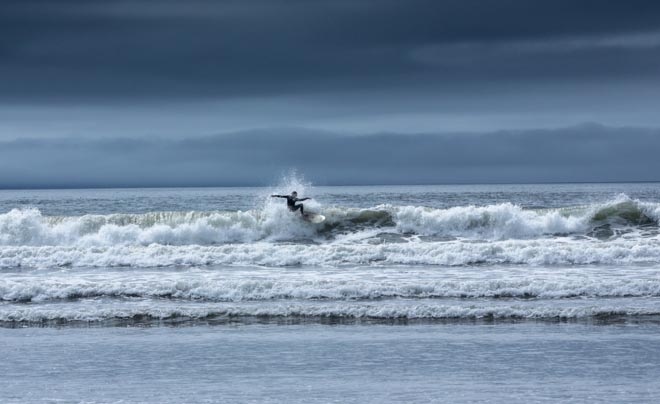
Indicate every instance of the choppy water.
{"type": "Point", "coordinates": [567, 276]}
{"type": "Point", "coordinates": [437, 252]}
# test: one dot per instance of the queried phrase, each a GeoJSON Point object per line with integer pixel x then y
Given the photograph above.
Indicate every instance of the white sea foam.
{"type": "Point", "coordinates": [215, 288]}
{"type": "Point", "coordinates": [555, 251]}
{"type": "Point", "coordinates": [502, 233]}
{"type": "Point", "coordinates": [337, 310]}
{"type": "Point", "coordinates": [30, 227]}
{"type": "Point", "coordinates": [274, 223]}
{"type": "Point", "coordinates": [497, 221]}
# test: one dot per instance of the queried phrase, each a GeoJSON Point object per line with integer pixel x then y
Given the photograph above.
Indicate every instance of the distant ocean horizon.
{"type": "Point", "coordinates": [365, 184]}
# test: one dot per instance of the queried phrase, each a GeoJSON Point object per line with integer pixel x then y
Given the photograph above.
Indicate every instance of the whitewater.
{"type": "Point", "coordinates": [542, 252]}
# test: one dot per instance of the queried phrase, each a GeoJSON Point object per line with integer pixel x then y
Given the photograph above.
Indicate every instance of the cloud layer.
{"type": "Point", "coordinates": [575, 154]}
{"type": "Point", "coordinates": [95, 49]}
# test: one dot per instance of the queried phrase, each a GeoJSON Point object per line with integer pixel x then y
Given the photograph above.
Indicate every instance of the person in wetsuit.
{"type": "Point", "coordinates": [291, 201]}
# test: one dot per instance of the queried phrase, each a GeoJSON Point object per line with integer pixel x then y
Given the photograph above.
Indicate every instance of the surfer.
{"type": "Point", "coordinates": [291, 202]}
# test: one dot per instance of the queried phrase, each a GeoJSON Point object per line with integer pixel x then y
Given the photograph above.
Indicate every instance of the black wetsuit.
{"type": "Point", "coordinates": [291, 203]}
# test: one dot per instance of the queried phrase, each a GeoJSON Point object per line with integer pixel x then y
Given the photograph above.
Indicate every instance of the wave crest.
{"type": "Point", "coordinates": [274, 223]}
{"type": "Point", "coordinates": [202, 287]}
{"type": "Point", "coordinates": [318, 312]}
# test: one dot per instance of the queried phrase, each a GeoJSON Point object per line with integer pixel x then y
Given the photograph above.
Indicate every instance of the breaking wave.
{"type": "Point", "coordinates": [559, 251]}
{"type": "Point", "coordinates": [318, 312]}
{"type": "Point", "coordinates": [220, 290]}
{"type": "Point", "coordinates": [499, 222]}
{"type": "Point", "coordinates": [620, 231]}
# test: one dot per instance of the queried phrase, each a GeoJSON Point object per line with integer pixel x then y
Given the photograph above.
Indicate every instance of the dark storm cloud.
{"type": "Point", "coordinates": [582, 153]}
{"type": "Point", "coordinates": [202, 48]}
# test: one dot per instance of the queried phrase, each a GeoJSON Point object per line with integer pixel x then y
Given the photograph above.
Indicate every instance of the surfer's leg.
{"type": "Point", "coordinates": [299, 206]}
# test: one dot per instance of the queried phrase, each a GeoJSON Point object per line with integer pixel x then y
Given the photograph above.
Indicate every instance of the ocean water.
{"type": "Point", "coordinates": [465, 293]}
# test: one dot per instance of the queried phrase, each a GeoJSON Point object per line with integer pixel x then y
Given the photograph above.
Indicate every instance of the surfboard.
{"type": "Point", "coordinates": [313, 217]}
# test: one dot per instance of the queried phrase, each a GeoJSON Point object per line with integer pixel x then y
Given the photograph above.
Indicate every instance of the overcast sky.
{"type": "Point", "coordinates": [165, 88]}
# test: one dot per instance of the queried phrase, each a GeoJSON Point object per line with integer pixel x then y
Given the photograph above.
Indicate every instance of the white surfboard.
{"type": "Point", "coordinates": [313, 217]}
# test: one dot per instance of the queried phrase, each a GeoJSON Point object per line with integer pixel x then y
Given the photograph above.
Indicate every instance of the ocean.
{"type": "Point", "coordinates": [455, 293]}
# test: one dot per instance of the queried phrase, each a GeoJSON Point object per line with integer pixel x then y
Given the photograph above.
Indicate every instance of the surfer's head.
{"type": "Point", "coordinates": [294, 194]}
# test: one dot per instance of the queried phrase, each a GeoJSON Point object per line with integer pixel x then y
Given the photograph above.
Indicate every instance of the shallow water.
{"type": "Point", "coordinates": [524, 362]}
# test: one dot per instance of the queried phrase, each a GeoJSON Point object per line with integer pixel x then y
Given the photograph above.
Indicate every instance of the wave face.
{"type": "Point", "coordinates": [620, 231]}
{"type": "Point", "coordinates": [493, 222]}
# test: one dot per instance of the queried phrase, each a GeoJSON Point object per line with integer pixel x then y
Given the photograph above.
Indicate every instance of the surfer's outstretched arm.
{"type": "Point", "coordinates": [302, 199]}
{"type": "Point", "coordinates": [279, 196]}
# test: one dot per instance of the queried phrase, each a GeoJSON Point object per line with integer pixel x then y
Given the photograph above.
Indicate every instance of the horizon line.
{"type": "Point", "coordinates": [328, 185]}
